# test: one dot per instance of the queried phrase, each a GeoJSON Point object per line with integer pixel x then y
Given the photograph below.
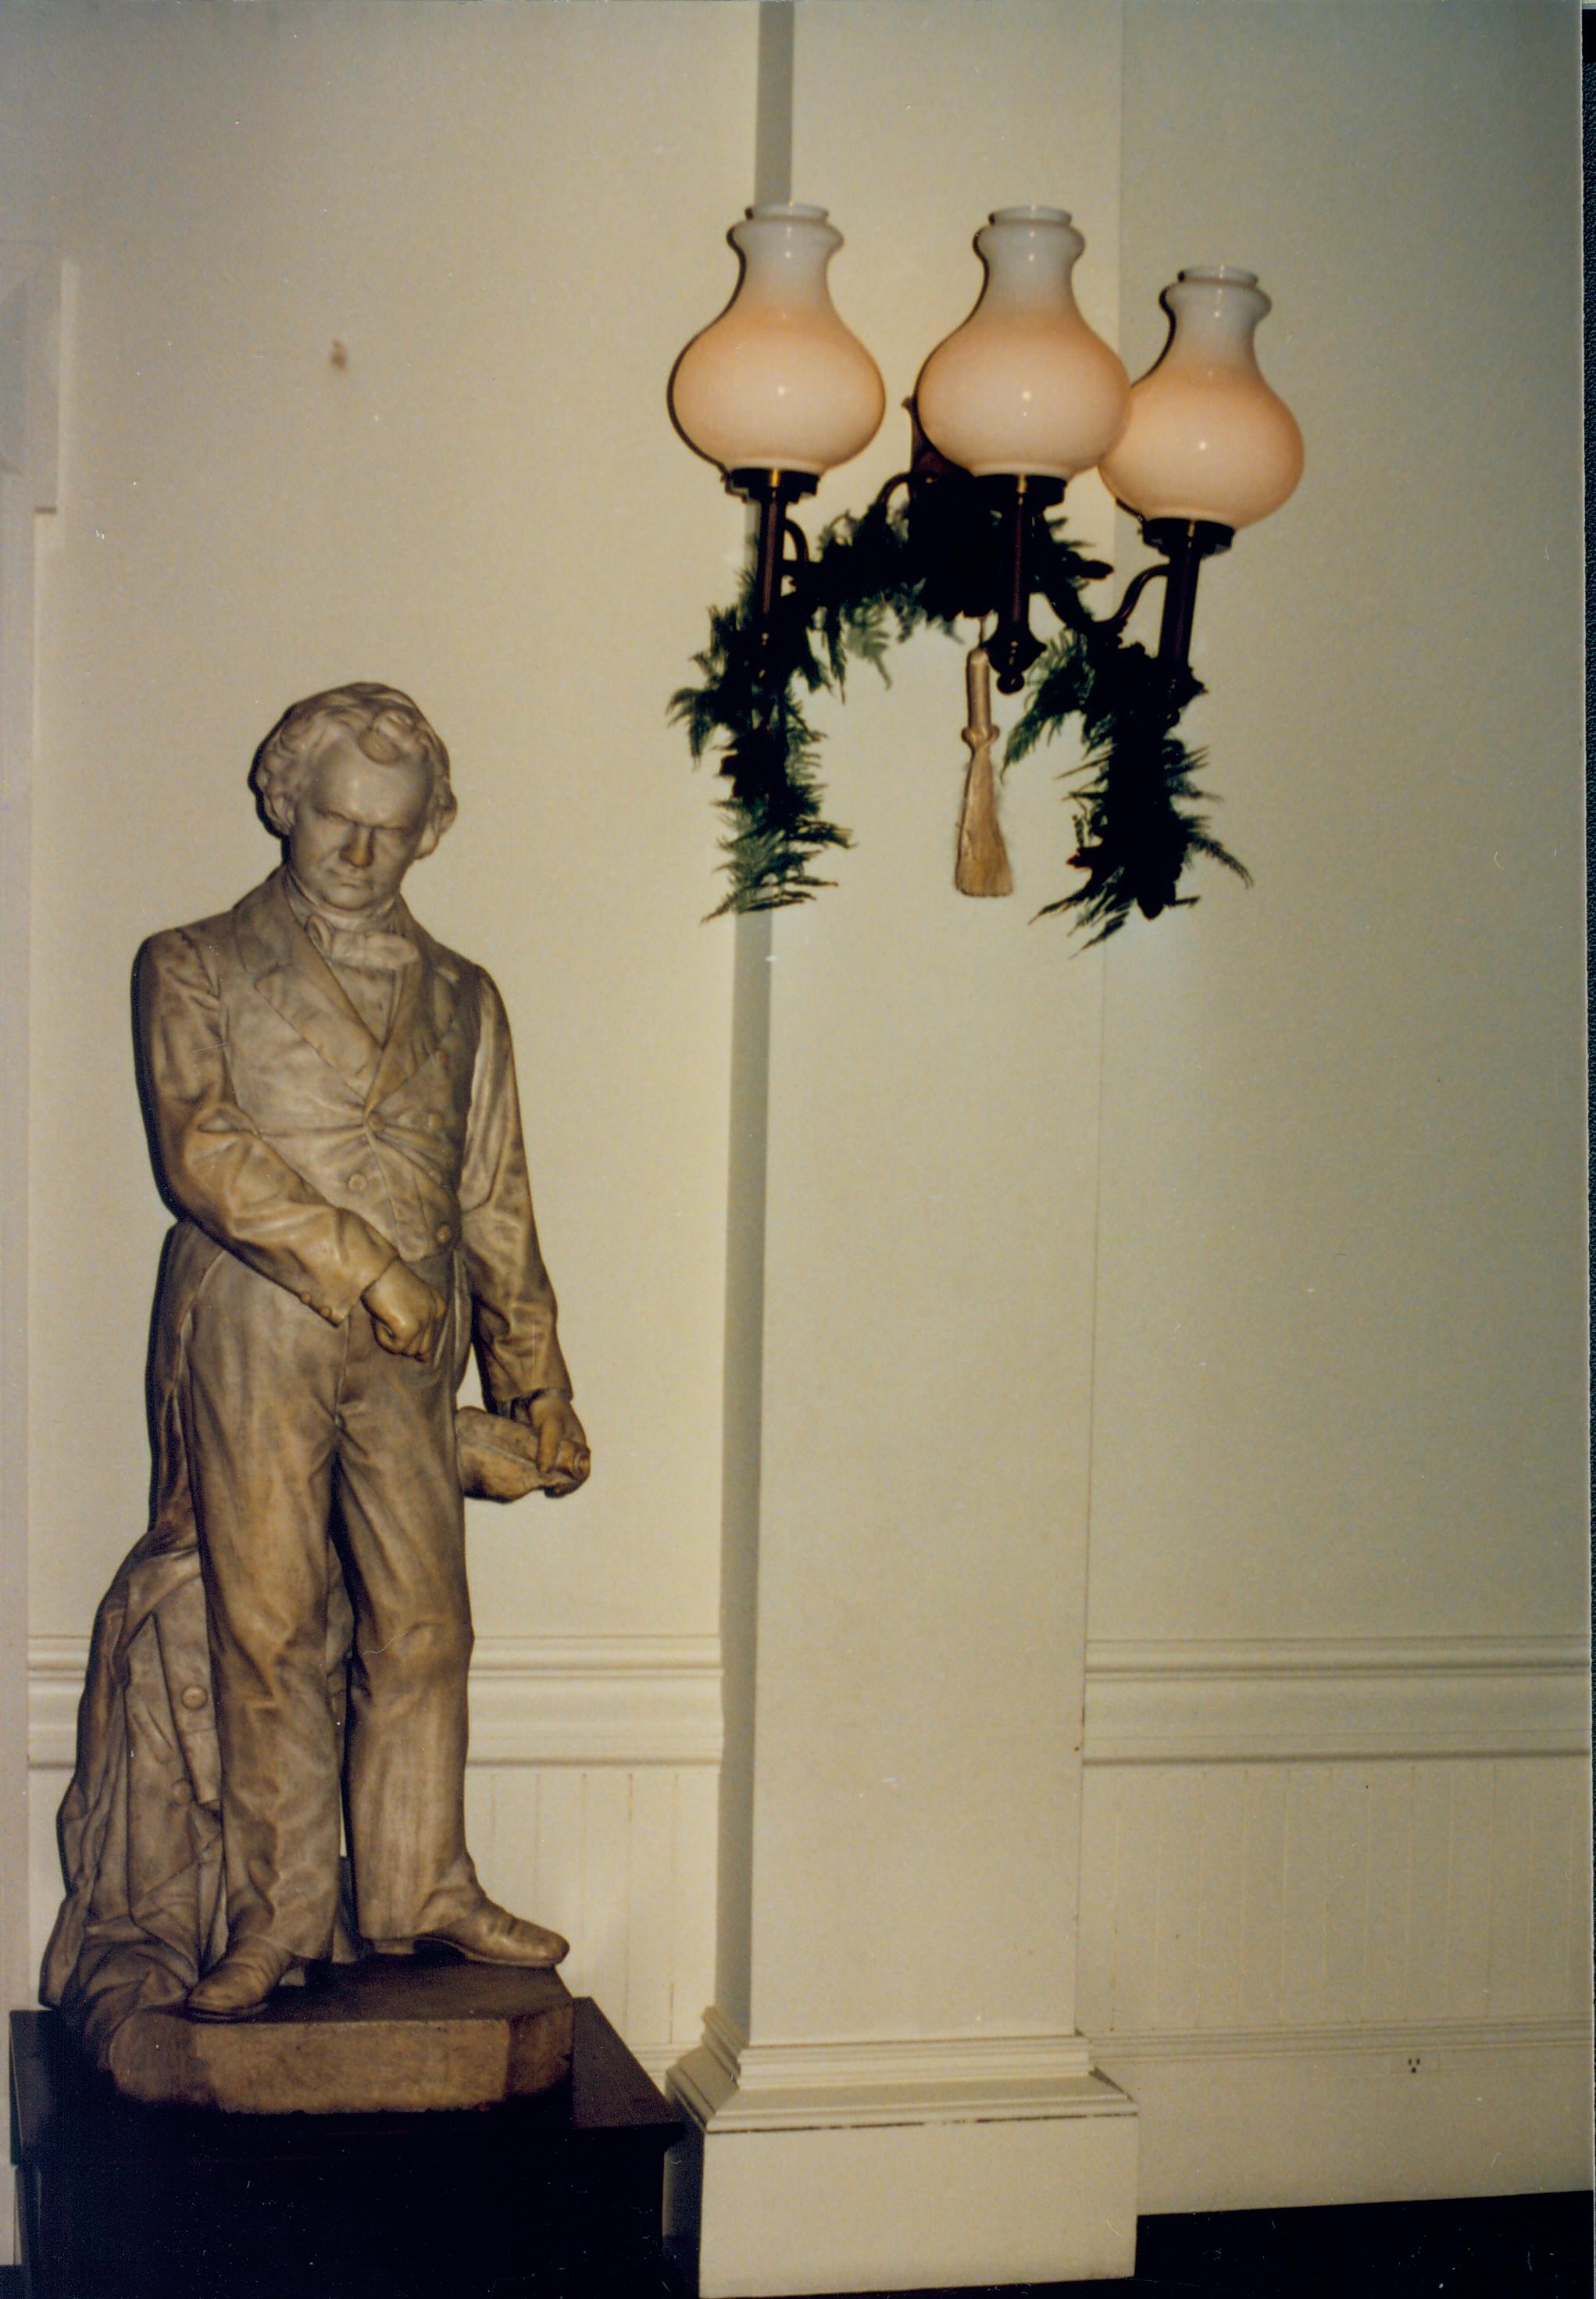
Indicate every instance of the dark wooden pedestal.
{"type": "Point", "coordinates": [556, 2198]}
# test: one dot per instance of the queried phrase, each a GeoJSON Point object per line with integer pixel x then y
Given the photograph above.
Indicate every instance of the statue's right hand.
{"type": "Point", "coordinates": [407, 1312]}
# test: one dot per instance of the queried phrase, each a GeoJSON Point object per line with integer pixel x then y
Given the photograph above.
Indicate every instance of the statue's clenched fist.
{"type": "Point", "coordinates": [407, 1312]}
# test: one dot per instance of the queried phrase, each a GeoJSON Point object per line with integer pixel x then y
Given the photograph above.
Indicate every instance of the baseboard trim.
{"type": "Point", "coordinates": [1193, 1700]}
{"type": "Point", "coordinates": [1250, 2119]}
{"type": "Point", "coordinates": [1412, 2038]}
{"type": "Point", "coordinates": [534, 1700]}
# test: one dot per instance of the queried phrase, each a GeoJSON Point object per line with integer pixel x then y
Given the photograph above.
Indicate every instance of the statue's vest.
{"type": "Point", "coordinates": [379, 1132]}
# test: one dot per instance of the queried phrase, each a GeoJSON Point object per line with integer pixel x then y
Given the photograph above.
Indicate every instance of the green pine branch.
{"type": "Point", "coordinates": [872, 582]}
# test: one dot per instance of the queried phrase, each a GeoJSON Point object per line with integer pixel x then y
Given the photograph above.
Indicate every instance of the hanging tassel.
{"type": "Point", "coordinates": [982, 865]}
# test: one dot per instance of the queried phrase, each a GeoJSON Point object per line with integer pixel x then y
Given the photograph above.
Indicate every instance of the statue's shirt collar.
{"type": "Point", "coordinates": [381, 944]}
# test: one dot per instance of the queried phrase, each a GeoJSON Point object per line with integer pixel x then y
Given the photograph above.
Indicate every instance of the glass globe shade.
{"type": "Point", "coordinates": [776, 382]}
{"type": "Point", "coordinates": [1024, 388]}
{"type": "Point", "coordinates": [1206, 438]}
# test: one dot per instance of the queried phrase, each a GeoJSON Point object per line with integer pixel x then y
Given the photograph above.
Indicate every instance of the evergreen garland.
{"type": "Point", "coordinates": [1134, 822]}
{"type": "Point", "coordinates": [930, 558]}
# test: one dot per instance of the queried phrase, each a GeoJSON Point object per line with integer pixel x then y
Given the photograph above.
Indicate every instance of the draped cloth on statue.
{"type": "Point", "coordinates": [140, 1826]}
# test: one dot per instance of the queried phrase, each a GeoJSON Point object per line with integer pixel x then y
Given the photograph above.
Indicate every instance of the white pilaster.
{"type": "Point", "coordinates": [892, 2090]}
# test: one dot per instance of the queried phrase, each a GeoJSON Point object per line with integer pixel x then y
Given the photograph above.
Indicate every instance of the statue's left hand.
{"type": "Point", "coordinates": [562, 1454]}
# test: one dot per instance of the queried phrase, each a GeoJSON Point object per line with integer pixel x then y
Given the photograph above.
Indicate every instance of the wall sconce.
{"type": "Point", "coordinates": [1207, 446]}
{"type": "Point", "coordinates": [776, 390]}
{"type": "Point", "coordinates": [1023, 396]}
{"type": "Point", "coordinates": [1008, 410]}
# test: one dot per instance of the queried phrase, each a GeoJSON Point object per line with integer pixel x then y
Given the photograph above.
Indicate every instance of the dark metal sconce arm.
{"type": "Point", "coordinates": [1064, 601]}
{"type": "Point", "coordinates": [889, 487]}
{"type": "Point", "coordinates": [1182, 545]}
{"type": "Point", "coordinates": [1116, 621]}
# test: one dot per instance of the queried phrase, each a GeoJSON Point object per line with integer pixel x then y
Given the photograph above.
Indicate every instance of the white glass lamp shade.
{"type": "Point", "coordinates": [1024, 387]}
{"type": "Point", "coordinates": [1206, 437]}
{"type": "Point", "coordinates": [776, 382]}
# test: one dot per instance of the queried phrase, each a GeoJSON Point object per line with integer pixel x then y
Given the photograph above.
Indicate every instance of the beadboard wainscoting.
{"type": "Point", "coordinates": [590, 1803]}
{"type": "Point", "coordinates": [1335, 1913]}
{"type": "Point", "coordinates": [1335, 1925]}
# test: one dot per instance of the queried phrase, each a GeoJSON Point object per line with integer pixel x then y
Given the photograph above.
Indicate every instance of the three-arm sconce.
{"type": "Point", "coordinates": [1019, 400]}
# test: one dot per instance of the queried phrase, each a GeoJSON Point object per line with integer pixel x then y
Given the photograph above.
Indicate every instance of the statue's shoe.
{"type": "Point", "coordinates": [238, 1987]}
{"type": "Point", "coordinates": [485, 1933]}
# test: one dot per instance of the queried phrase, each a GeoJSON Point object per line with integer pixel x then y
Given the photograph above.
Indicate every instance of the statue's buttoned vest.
{"type": "Point", "coordinates": [379, 1130]}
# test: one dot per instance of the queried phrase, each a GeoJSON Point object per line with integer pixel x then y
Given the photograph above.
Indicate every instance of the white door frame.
{"type": "Point", "coordinates": [29, 336]}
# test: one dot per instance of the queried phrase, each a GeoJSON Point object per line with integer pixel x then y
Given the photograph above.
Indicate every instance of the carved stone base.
{"type": "Point", "coordinates": [357, 2039]}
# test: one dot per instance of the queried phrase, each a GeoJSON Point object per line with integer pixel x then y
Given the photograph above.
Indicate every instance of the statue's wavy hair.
{"type": "Point", "coordinates": [386, 726]}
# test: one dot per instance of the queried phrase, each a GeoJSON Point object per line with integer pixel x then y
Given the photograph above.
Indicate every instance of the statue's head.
{"type": "Point", "coordinates": [357, 784]}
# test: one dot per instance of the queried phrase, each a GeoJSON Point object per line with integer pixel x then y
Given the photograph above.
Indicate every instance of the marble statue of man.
{"type": "Point", "coordinates": [332, 1104]}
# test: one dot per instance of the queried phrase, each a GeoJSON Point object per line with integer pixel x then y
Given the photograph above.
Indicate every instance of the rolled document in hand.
{"type": "Point", "coordinates": [498, 1456]}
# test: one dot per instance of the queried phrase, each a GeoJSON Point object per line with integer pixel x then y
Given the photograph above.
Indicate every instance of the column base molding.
{"type": "Point", "coordinates": [745, 2087]}
{"type": "Point", "coordinates": [897, 2165]}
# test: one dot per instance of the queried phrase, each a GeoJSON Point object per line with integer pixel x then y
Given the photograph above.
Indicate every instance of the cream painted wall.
{"type": "Point", "coordinates": [1341, 1358]}
{"type": "Point", "coordinates": [511, 217]}
{"type": "Point", "coordinates": [1332, 1330]}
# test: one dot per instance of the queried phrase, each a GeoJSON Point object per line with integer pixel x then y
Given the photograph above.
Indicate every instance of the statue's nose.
{"type": "Point", "coordinates": [357, 848]}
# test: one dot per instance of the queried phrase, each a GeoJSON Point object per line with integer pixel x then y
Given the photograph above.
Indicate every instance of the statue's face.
{"type": "Point", "coordinates": [358, 826]}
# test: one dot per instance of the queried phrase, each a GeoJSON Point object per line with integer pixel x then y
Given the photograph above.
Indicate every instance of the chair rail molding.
{"type": "Point", "coordinates": [1194, 1700]}
{"type": "Point", "coordinates": [591, 1798]}
{"type": "Point", "coordinates": [574, 1700]}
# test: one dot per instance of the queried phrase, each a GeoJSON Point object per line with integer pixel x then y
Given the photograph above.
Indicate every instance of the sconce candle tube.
{"type": "Point", "coordinates": [1185, 543]}
{"type": "Point", "coordinates": [1014, 647]}
{"type": "Point", "coordinates": [772, 492]}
